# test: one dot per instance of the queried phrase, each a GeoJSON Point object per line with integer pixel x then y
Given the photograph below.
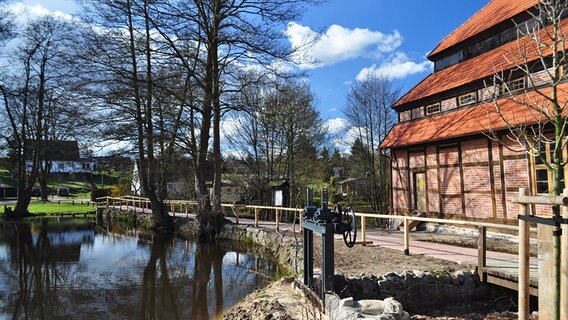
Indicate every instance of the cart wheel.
{"type": "Point", "coordinates": [350, 223]}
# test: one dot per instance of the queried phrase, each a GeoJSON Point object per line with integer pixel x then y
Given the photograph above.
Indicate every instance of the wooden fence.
{"type": "Point", "coordinates": [182, 207]}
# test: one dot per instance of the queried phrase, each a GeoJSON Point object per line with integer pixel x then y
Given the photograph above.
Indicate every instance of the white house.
{"type": "Point", "coordinates": [64, 157]}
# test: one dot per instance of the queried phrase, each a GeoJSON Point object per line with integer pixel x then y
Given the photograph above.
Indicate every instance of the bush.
{"type": "Point", "coordinates": [118, 191]}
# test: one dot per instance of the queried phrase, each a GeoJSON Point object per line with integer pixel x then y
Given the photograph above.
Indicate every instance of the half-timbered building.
{"type": "Point", "coordinates": [451, 152]}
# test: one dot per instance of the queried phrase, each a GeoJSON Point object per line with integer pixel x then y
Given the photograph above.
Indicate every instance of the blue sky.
{"type": "Point", "coordinates": [418, 24]}
{"type": "Point", "coordinates": [357, 38]}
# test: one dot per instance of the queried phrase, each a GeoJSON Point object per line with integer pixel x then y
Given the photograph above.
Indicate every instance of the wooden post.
{"type": "Point", "coordinates": [256, 217]}
{"type": "Point", "coordinates": [406, 237]}
{"type": "Point", "coordinates": [277, 219]}
{"type": "Point", "coordinates": [482, 253]}
{"type": "Point", "coordinates": [363, 229]}
{"type": "Point", "coordinates": [186, 206]}
{"type": "Point", "coordinates": [564, 264]}
{"type": "Point", "coordinates": [524, 276]}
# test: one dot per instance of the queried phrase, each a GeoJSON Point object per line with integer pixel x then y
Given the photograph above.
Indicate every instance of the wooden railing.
{"type": "Point", "coordinates": [183, 207]}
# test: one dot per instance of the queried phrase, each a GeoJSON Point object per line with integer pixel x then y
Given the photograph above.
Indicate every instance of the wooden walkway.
{"type": "Point", "coordinates": [505, 273]}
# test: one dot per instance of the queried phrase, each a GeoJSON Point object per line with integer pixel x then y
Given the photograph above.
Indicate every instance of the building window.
{"type": "Point", "coordinates": [467, 99]}
{"type": "Point", "coordinates": [433, 108]}
{"type": "Point", "coordinates": [513, 86]}
{"type": "Point", "coordinates": [543, 176]}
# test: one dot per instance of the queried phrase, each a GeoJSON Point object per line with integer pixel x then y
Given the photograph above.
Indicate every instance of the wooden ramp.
{"type": "Point", "coordinates": [504, 272]}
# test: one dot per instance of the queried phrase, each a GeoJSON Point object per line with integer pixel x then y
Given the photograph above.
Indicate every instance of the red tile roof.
{"type": "Point", "coordinates": [470, 121]}
{"type": "Point", "coordinates": [492, 14]}
{"type": "Point", "coordinates": [480, 67]}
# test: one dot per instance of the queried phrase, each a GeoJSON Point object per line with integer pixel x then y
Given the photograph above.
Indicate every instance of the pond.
{"type": "Point", "coordinates": [69, 269]}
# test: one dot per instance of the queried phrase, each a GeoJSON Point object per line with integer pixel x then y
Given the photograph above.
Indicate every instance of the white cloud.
{"type": "Point", "coordinates": [25, 12]}
{"type": "Point", "coordinates": [338, 44]}
{"type": "Point", "coordinates": [337, 125]}
{"type": "Point", "coordinates": [398, 66]}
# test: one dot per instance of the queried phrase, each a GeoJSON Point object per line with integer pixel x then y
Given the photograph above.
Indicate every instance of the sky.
{"type": "Point", "coordinates": [357, 38]}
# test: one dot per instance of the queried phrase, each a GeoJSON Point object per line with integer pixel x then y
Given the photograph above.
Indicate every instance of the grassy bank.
{"type": "Point", "coordinates": [52, 208]}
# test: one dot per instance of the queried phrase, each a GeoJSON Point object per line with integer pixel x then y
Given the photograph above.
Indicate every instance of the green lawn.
{"type": "Point", "coordinates": [38, 207]}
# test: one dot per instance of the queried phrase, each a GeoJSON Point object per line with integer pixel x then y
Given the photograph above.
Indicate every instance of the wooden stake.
{"type": "Point", "coordinates": [524, 280]}
{"type": "Point", "coordinates": [363, 229]}
{"type": "Point", "coordinates": [256, 217]}
{"type": "Point", "coordinates": [482, 253]}
{"type": "Point", "coordinates": [406, 237]}
{"type": "Point", "coordinates": [564, 265]}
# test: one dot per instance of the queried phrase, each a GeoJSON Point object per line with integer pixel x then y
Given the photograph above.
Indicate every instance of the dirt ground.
{"type": "Point", "coordinates": [282, 302]}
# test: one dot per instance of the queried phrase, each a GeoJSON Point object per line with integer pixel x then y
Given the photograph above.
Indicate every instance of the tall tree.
{"type": "Point", "coordinates": [39, 78]}
{"type": "Point", "coordinates": [531, 76]}
{"type": "Point", "coordinates": [280, 135]}
{"type": "Point", "coordinates": [231, 35]}
{"type": "Point", "coordinates": [135, 84]}
{"type": "Point", "coordinates": [368, 110]}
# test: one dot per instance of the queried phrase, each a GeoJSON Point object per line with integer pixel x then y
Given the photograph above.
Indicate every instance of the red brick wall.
{"type": "Point", "coordinates": [480, 163]}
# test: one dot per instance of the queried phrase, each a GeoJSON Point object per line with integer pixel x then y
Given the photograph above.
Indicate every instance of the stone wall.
{"type": "Point", "coordinates": [417, 291]}
{"type": "Point", "coordinates": [286, 250]}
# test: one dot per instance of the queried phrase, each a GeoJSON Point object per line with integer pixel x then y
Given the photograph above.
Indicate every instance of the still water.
{"type": "Point", "coordinates": [71, 269]}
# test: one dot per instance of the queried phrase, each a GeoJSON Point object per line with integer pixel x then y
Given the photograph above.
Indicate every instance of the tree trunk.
{"type": "Point", "coordinates": [43, 189]}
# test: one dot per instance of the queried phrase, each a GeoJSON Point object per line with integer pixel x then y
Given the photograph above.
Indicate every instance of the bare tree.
{"type": "Point", "coordinates": [528, 82]}
{"type": "Point", "coordinates": [32, 94]}
{"type": "Point", "coordinates": [137, 87]}
{"type": "Point", "coordinates": [6, 22]}
{"type": "Point", "coordinates": [368, 111]}
{"type": "Point", "coordinates": [279, 136]}
{"type": "Point", "coordinates": [231, 36]}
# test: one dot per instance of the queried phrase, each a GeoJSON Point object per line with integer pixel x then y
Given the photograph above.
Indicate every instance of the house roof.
{"type": "Point", "coordinates": [481, 118]}
{"type": "Point", "coordinates": [58, 150]}
{"type": "Point", "coordinates": [480, 67]}
{"type": "Point", "coordinates": [495, 12]}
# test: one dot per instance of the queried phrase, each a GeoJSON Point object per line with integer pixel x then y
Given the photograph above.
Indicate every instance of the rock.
{"type": "Point", "coordinates": [393, 307]}
{"type": "Point", "coordinates": [419, 274]}
{"type": "Point", "coordinates": [347, 302]}
{"type": "Point", "coordinates": [371, 307]}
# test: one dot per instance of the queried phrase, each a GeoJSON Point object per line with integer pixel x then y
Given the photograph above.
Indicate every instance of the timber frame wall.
{"type": "Point", "coordinates": [473, 178]}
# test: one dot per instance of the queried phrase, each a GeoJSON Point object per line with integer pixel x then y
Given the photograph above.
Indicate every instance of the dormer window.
{"type": "Point", "coordinates": [467, 99]}
{"type": "Point", "coordinates": [433, 108]}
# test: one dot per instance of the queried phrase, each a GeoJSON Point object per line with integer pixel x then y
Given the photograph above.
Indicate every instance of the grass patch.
{"type": "Point", "coordinates": [38, 207]}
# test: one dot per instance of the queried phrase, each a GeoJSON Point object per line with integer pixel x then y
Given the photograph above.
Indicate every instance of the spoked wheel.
{"type": "Point", "coordinates": [350, 225]}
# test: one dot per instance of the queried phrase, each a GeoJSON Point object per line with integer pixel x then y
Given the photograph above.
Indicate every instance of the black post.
{"type": "Point", "coordinates": [308, 257]}
{"type": "Point", "coordinates": [328, 259]}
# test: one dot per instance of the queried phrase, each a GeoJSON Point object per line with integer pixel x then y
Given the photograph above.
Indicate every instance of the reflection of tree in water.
{"type": "Point", "coordinates": [46, 275]}
{"type": "Point", "coordinates": [208, 257]}
{"type": "Point", "coordinates": [156, 288]}
{"type": "Point", "coordinates": [37, 274]}
{"type": "Point", "coordinates": [162, 299]}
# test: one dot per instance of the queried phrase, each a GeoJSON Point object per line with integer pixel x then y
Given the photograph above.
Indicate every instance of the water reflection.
{"type": "Point", "coordinates": [69, 270]}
